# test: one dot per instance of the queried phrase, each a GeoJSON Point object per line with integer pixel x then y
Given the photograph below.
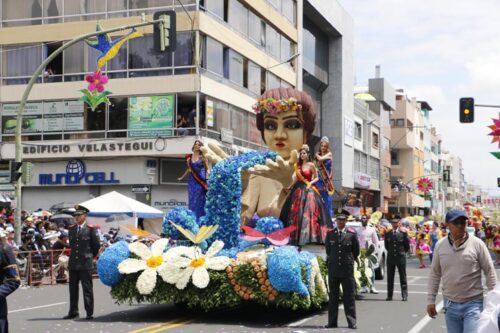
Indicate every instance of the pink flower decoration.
{"type": "Point", "coordinates": [96, 81]}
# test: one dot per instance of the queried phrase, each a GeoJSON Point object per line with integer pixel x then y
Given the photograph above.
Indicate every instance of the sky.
{"type": "Point", "coordinates": [438, 51]}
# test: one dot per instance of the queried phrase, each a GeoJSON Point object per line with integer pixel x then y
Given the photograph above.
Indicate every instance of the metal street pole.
{"type": "Point", "coordinates": [32, 81]}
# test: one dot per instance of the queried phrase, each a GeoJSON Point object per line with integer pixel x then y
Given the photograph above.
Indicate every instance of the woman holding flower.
{"type": "Point", "coordinates": [304, 207]}
{"type": "Point", "coordinates": [197, 168]}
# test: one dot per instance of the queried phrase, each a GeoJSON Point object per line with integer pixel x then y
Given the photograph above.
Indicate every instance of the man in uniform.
{"type": "Point", "coordinates": [84, 243]}
{"type": "Point", "coordinates": [9, 279]}
{"type": "Point", "coordinates": [342, 249]}
{"type": "Point", "coordinates": [397, 244]}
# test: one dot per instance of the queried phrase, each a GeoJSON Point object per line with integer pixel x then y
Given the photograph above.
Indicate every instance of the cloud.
{"type": "Point", "coordinates": [437, 51]}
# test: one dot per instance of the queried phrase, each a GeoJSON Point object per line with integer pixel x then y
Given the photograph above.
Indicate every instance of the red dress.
{"type": "Point", "coordinates": [305, 209]}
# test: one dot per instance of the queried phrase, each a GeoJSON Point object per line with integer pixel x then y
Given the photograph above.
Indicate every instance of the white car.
{"type": "Point", "coordinates": [381, 253]}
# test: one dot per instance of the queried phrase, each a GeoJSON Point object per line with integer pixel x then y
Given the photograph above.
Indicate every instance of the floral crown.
{"type": "Point", "coordinates": [274, 106]}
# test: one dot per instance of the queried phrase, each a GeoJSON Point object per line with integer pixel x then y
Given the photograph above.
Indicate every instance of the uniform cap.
{"type": "Point", "coordinates": [395, 217]}
{"type": "Point", "coordinates": [341, 214]}
{"type": "Point", "coordinates": [80, 210]}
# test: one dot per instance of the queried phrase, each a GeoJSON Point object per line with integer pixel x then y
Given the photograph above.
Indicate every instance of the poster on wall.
{"type": "Point", "coordinates": [149, 115]}
{"type": "Point", "coordinates": [210, 113]}
{"type": "Point", "coordinates": [32, 118]}
{"type": "Point", "coordinates": [73, 115]}
{"type": "Point", "coordinates": [348, 132]}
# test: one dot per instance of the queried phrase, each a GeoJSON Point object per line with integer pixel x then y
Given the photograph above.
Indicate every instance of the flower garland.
{"type": "Point", "coordinates": [285, 270]}
{"type": "Point", "coordinates": [275, 106]}
{"type": "Point", "coordinates": [223, 204]}
{"type": "Point", "coordinates": [107, 264]}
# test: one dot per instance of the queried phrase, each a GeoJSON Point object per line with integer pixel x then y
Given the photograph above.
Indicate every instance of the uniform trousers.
{"type": "Point", "coordinates": [348, 294]}
{"type": "Point", "coordinates": [391, 271]}
{"type": "Point", "coordinates": [85, 276]}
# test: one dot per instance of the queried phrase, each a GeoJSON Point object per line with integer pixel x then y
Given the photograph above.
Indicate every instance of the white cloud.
{"type": "Point", "coordinates": [437, 51]}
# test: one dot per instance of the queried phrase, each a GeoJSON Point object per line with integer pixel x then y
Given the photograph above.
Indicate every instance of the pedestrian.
{"type": "Point", "coordinates": [342, 249]}
{"type": "Point", "coordinates": [9, 279]}
{"type": "Point", "coordinates": [397, 244]}
{"type": "Point", "coordinates": [367, 236]}
{"type": "Point", "coordinates": [458, 262]}
{"type": "Point", "coordinates": [84, 243]}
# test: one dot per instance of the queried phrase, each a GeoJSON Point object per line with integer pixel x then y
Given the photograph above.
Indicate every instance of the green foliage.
{"type": "Point", "coordinates": [94, 99]}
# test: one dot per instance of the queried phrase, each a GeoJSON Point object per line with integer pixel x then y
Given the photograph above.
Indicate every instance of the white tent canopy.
{"type": "Point", "coordinates": [116, 203]}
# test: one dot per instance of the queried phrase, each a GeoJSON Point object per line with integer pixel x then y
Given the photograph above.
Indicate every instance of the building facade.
{"type": "Point", "coordinates": [227, 53]}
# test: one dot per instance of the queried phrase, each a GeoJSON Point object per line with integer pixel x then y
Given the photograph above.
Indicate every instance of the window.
{"type": "Point", "coordinates": [80, 9]}
{"type": "Point", "coordinates": [288, 10]}
{"type": "Point", "coordinates": [421, 135]}
{"type": "Point", "coordinates": [216, 7]}
{"type": "Point", "coordinates": [374, 168]}
{"type": "Point", "coordinates": [214, 56]}
{"type": "Point", "coordinates": [239, 123]}
{"type": "Point", "coordinates": [256, 29]}
{"type": "Point", "coordinates": [15, 10]}
{"type": "Point", "coordinates": [254, 77]}
{"type": "Point", "coordinates": [184, 52]}
{"type": "Point", "coordinates": [272, 42]}
{"type": "Point", "coordinates": [272, 81]}
{"type": "Point", "coordinates": [236, 67]}
{"type": "Point", "coordinates": [286, 50]}
{"type": "Point", "coordinates": [375, 142]}
{"type": "Point", "coordinates": [358, 131]}
{"type": "Point", "coordinates": [118, 107]}
{"type": "Point", "coordinates": [392, 122]}
{"type": "Point", "coordinates": [363, 163]}
{"type": "Point", "coordinates": [76, 61]}
{"type": "Point", "coordinates": [394, 158]}
{"type": "Point", "coordinates": [357, 162]}
{"type": "Point", "coordinates": [276, 4]}
{"type": "Point", "coordinates": [400, 123]}
{"type": "Point", "coordinates": [115, 6]}
{"type": "Point", "coordinates": [143, 55]}
{"type": "Point", "coordinates": [238, 16]}
{"type": "Point", "coordinates": [171, 169]}
{"type": "Point", "coordinates": [21, 60]}
{"type": "Point", "coordinates": [52, 8]}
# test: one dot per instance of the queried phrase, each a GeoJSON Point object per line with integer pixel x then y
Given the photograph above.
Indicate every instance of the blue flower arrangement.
{"type": "Point", "coordinates": [305, 260]}
{"type": "Point", "coordinates": [223, 203]}
{"type": "Point", "coordinates": [183, 217]}
{"type": "Point", "coordinates": [285, 272]}
{"type": "Point", "coordinates": [231, 253]}
{"type": "Point", "coordinates": [266, 225]}
{"type": "Point", "coordinates": [107, 265]}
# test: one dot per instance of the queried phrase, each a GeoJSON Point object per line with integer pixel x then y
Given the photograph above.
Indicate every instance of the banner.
{"type": "Point", "coordinates": [210, 113]}
{"type": "Point", "coordinates": [149, 115]}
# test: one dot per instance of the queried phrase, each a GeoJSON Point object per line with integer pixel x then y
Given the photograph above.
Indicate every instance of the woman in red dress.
{"type": "Point", "coordinates": [304, 206]}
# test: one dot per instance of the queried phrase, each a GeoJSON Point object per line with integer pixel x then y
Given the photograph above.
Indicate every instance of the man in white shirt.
{"type": "Point", "coordinates": [367, 235]}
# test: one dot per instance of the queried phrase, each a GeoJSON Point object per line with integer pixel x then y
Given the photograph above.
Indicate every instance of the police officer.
{"type": "Point", "coordinates": [84, 243]}
{"type": "Point", "coordinates": [9, 279]}
{"type": "Point", "coordinates": [342, 249]}
{"type": "Point", "coordinates": [397, 244]}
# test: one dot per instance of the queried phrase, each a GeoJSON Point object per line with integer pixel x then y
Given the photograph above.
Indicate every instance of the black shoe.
{"type": "Point", "coordinates": [388, 299]}
{"type": "Point", "coordinates": [405, 298]}
{"type": "Point", "coordinates": [89, 317]}
{"type": "Point", "coordinates": [353, 327]}
{"type": "Point", "coordinates": [330, 326]}
{"type": "Point", "coordinates": [71, 316]}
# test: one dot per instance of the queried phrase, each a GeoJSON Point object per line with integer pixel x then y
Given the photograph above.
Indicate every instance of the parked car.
{"type": "Point", "coordinates": [379, 266]}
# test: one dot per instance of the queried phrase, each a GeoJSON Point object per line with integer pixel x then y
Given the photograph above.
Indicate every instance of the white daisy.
{"type": "Point", "coordinates": [186, 262]}
{"type": "Point", "coordinates": [151, 261]}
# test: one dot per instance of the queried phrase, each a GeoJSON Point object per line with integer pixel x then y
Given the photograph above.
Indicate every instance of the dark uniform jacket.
{"type": "Point", "coordinates": [9, 277]}
{"type": "Point", "coordinates": [396, 247]}
{"type": "Point", "coordinates": [84, 247]}
{"type": "Point", "coordinates": [341, 252]}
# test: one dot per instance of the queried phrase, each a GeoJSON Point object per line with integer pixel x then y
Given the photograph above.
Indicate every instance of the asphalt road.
{"type": "Point", "coordinates": [40, 310]}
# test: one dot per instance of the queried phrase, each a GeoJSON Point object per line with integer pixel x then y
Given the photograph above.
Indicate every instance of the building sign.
{"type": "Point", "coordinates": [148, 116]}
{"type": "Point", "coordinates": [362, 180]}
{"type": "Point", "coordinates": [209, 111]}
{"type": "Point", "coordinates": [46, 117]}
{"type": "Point", "coordinates": [141, 189]}
{"type": "Point", "coordinates": [76, 174]}
{"type": "Point", "coordinates": [105, 147]}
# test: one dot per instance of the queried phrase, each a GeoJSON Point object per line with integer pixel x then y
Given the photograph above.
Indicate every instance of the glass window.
{"type": "Point", "coordinates": [374, 140]}
{"type": "Point", "coordinates": [272, 42]}
{"type": "Point", "coordinates": [254, 78]}
{"type": "Point", "coordinates": [286, 50]}
{"type": "Point", "coordinates": [394, 157]}
{"type": "Point", "coordinates": [215, 7]}
{"type": "Point", "coordinates": [95, 120]}
{"type": "Point", "coordinates": [239, 123]}
{"type": "Point", "coordinates": [80, 9]}
{"type": "Point", "coordinates": [76, 60]}
{"type": "Point", "coordinates": [357, 158]}
{"type": "Point", "coordinates": [142, 54]}
{"type": "Point", "coordinates": [21, 59]}
{"type": "Point", "coordinates": [118, 109]}
{"type": "Point", "coordinates": [184, 52]}
{"type": "Point", "coordinates": [272, 81]}
{"type": "Point", "coordinates": [221, 115]}
{"type": "Point", "coordinates": [288, 10]}
{"type": "Point", "coordinates": [15, 9]}
{"type": "Point", "coordinates": [236, 67]}
{"type": "Point", "coordinates": [276, 4]}
{"type": "Point", "coordinates": [52, 8]}
{"type": "Point", "coordinates": [358, 129]}
{"type": "Point", "coordinates": [118, 63]}
{"type": "Point", "coordinates": [255, 28]}
{"type": "Point", "coordinates": [238, 16]}
{"type": "Point", "coordinates": [400, 122]}
{"type": "Point", "coordinates": [115, 6]}
{"type": "Point", "coordinates": [214, 56]}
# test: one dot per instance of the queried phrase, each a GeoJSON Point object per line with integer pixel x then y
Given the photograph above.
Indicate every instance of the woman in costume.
{"type": "Point", "coordinates": [286, 120]}
{"type": "Point", "coordinates": [304, 206]}
{"type": "Point", "coordinates": [324, 162]}
{"type": "Point", "coordinates": [197, 168]}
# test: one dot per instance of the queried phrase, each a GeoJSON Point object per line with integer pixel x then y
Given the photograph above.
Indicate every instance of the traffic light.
{"type": "Point", "coordinates": [466, 110]}
{"type": "Point", "coordinates": [14, 173]}
{"type": "Point", "coordinates": [164, 32]}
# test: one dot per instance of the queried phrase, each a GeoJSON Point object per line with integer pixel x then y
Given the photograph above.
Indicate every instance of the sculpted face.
{"type": "Point", "coordinates": [283, 133]}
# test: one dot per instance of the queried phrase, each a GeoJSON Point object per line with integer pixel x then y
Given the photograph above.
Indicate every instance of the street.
{"type": "Point", "coordinates": [40, 310]}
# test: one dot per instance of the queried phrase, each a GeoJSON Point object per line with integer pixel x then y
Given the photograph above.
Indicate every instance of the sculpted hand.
{"type": "Point", "coordinates": [431, 310]}
{"type": "Point", "coordinates": [213, 153]}
{"type": "Point", "coordinates": [280, 170]}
